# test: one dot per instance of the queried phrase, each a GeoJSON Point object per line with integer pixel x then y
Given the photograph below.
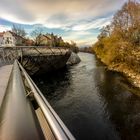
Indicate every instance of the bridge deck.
{"type": "Point", "coordinates": [44, 125]}
{"type": "Point", "coordinates": [4, 77]}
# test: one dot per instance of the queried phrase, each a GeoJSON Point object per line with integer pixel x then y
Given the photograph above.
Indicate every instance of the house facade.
{"type": "Point", "coordinates": [10, 39]}
{"type": "Point", "coordinates": [43, 40]}
{"type": "Point", "coordinates": [7, 39]}
{"type": "Point", "coordinates": [49, 40]}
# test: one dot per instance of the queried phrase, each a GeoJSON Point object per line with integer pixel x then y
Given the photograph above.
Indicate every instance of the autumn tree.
{"type": "Point", "coordinates": [126, 22]}
{"type": "Point", "coordinates": [119, 42]}
{"type": "Point", "coordinates": [105, 32]}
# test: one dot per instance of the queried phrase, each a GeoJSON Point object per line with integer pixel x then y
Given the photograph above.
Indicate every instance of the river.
{"type": "Point", "coordinates": [94, 103]}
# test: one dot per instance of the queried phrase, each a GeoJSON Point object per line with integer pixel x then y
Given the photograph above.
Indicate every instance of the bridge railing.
{"type": "Point", "coordinates": [17, 120]}
{"type": "Point", "coordinates": [9, 54]}
{"type": "Point", "coordinates": [58, 128]}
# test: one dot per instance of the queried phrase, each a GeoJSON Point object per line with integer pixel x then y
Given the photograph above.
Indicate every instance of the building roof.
{"type": "Point", "coordinates": [47, 37]}
{"type": "Point", "coordinates": [15, 35]}
{"type": "Point", "coordinates": [1, 34]}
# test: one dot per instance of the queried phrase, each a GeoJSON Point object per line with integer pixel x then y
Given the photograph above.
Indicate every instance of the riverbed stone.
{"type": "Point", "coordinates": [74, 59]}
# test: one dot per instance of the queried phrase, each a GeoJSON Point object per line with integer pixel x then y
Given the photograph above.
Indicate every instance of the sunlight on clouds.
{"type": "Point", "coordinates": [81, 37]}
{"type": "Point", "coordinates": [41, 11]}
{"type": "Point", "coordinates": [87, 41]}
{"type": "Point", "coordinates": [14, 19]}
{"type": "Point", "coordinates": [99, 23]}
{"type": "Point", "coordinates": [76, 18]}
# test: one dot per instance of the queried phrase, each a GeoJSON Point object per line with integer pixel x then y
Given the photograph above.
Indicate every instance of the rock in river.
{"type": "Point", "coordinates": [74, 59]}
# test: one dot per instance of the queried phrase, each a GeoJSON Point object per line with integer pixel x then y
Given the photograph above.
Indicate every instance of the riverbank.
{"type": "Point", "coordinates": [118, 44]}
{"type": "Point", "coordinates": [132, 76]}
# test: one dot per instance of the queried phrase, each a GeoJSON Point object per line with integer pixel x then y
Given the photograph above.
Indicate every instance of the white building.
{"type": "Point", "coordinates": [7, 39]}
{"type": "Point", "coordinates": [10, 39]}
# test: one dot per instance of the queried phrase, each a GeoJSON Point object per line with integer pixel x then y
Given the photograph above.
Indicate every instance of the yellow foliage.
{"type": "Point", "coordinates": [120, 44]}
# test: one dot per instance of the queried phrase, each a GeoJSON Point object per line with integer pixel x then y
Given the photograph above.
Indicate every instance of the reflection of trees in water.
{"type": "Point", "coordinates": [122, 107]}
{"type": "Point", "coordinates": [98, 62]}
{"type": "Point", "coordinates": [54, 85]}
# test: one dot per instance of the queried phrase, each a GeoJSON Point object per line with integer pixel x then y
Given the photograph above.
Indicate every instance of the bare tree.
{"type": "Point", "coordinates": [37, 36]}
{"type": "Point", "coordinates": [126, 22]}
{"type": "Point", "coordinates": [18, 30]}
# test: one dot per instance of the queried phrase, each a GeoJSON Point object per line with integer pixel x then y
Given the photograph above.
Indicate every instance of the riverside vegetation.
{"type": "Point", "coordinates": [118, 44]}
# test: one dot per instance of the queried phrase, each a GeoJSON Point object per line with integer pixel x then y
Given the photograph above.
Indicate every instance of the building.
{"type": "Point", "coordinates": [7, 39]}
{"type": "Point", "coordinates": [10, 39]}
{"type": "Point", "coordinates": [43, 40]}
{"type": "Point", "coordinates": [29, 42]}
{"type": "Point", "coordinates": [1, 38]}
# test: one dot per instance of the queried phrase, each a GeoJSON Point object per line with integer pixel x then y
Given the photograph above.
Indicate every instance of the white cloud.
{"type": "Point", "coordinates": [4, 28]}
{"type": "Point", "coordinates": [81, 37]}
{"type": "Point", "coordinates": [99, 23]}
{"type": "Point", "coordinates": [55, 13]}
{"type": "Point", "coordinates": [74, 17]}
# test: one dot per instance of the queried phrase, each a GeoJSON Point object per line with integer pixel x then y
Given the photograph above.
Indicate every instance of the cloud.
{"type": "Point", "coordinates": [4, 28]}
{"type": "Point", "coordinates": [98, 23]}
{"type": "Point", "coordinates": [67, 15]}
{"type": "Point", "coordinates": [15, 11]}
{"type": "Point", "coordinates": [50, 11]}
{"type": "Point", "coordinates": [81, 37]}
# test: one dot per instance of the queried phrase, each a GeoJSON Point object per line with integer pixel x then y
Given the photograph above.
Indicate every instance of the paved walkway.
{"type": "Point", "coordinates": [4, 77]}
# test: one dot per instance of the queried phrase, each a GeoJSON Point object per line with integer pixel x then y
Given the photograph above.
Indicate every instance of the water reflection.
{"type": "Point", "coordinates": [54, 84]}
{"type": "Point", "coordinates": [94, 103]}
{"type": "Point", "coordinates": [123, 106]}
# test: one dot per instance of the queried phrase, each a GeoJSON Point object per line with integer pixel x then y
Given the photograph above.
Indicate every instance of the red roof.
{"type": "Point", "coordinates": [15, 35]}
{"type": "Point", "coordinates": [1, 34]}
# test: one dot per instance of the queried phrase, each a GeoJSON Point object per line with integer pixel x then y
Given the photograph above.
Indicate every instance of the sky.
{"type": "Point", "coordinates": [77, 20]}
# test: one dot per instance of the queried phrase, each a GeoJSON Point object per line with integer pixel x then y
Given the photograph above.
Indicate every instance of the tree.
{"type": "Point", "coordinates": [126, 22]}
{"type": "Point", "coordinates": [105, 32]}
{"type": "Point", "coordinates": [37, 36]}
{"type": "Point", "coordinates": [18, 30]}
{"type": "Point", "coordinates": [73, 47]}
{"type": "Point", "coordinates": [119, 42]}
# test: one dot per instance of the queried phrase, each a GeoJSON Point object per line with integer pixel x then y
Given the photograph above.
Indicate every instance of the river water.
{"type": "Point", "coordinates": [95, 104]}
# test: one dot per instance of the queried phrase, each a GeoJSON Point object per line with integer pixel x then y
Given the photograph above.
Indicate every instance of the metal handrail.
{"type": "Point", "coordinates": [18, 47]}
{"type": "Point", "coordinates": [9, 54]}
{"type": "Point", "coordinates": [59, 129]}
{"type": "Point", "coordinates": [17, 120]}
